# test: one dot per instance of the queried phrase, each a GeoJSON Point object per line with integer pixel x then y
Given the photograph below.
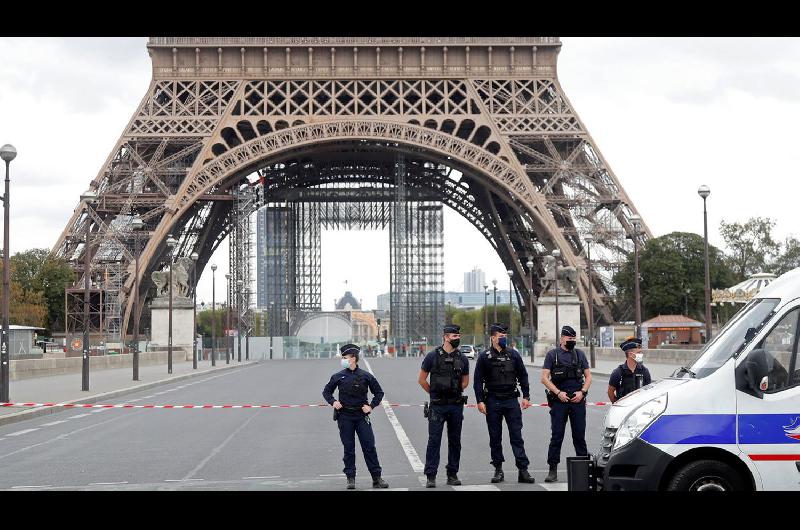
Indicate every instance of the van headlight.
{"type": "Point", "coordinates": [638, 420]}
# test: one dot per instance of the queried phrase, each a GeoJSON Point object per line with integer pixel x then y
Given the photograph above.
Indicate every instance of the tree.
{"type": "Point", "coordinates": [669, 266]}
{"type": "Point", "coordinates": [35, 271]}
{"type": "Point", "coordinates": [789, 259]}
{"type": "Point", "coordinates": [204, 322]}
{"type": "Point", "coordinates": [750, 245]}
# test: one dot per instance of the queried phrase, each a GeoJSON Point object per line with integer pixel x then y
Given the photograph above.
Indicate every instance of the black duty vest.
{"type": "Point", "coordinates": [564, 372]}
{"type": "Point", "coordinates": [501, 377]}
{"type": "Point", "coordinates": [446, 374]}
{"type": "Point", "coordinates": [356, 387]}
{"type": "Point", "coordinates": [628, 381]}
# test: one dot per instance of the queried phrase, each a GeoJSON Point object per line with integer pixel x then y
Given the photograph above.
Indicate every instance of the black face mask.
{"type": "Point", "coordinates": [570, 345]}
{"type": "Point", "coordinates": [454, 342]}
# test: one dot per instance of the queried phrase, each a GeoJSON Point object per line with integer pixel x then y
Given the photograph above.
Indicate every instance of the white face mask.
{"type": "Point", "coordinates": [345, 362]}
{"type": "Point", "coordinates": [638, 357]}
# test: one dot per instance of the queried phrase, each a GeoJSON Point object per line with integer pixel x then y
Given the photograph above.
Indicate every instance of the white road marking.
{"type": "Point", "coordinates": [554, 486]}
{"type": "Point", "coordinates": [255, 478]}
{"type": "Point", "coordinates": [477, 487]}
{"type": "Point", "coordinates": [333, 475]}
{"type": "Point", "coordinates": [183, 479]}
{"type": "Point", "coordinates": [20, 487]}
{"type": "Point", "coordinates": [22, 432]}
{"type": "Point", "coordinates": [77, 416]}
{"type": "Point", "coordinates": [53, 423]}
{"type": "Point", "coordinates": [387, 489]}
{"type": "Point", "coordinates": [107, 483]}
{"type": "Point", "coordinates": [405, 443]}
{"type": "Point", "coordinates": [221, 446]}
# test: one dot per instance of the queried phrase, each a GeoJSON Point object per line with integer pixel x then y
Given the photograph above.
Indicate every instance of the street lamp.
{"type": "Point", "coordinates": [494, 283]}
{"type": "Point", "coordinates": [239, 284]}
{"type": "Point", "coordinates": [171, 242]}
{"type": "Point", "coordinates": [7, 153]}
{"type": "Point", "coordinates": [556, 254]}
{"type": "Point", "coordinates": [704, 191]}
{"type": "Point", "coordinates": [529, 264]}
{"type": "Point", "coordinates": [136, 225]}
{"type": "Point", "coordinates": [228, 319]}
{"type": "Point", "coordinates": [271, 318]}
{"type": "Point", "coordinates": [636, 221]}
{"type": "Point", "coordinates": [485, 314]}
{"type": "Point", "coordinates": [213, 316]}
{"type": "Point", "coordinates": [510, 309]}
{"type": "Point", "coordinates": [246, 293]}
{"type": "Point", "coordinates": [194, 256]}
{"type": "Point", "coordinates": [90, 197]}
{"type": "Point", "coordinates": [589, 239]}
{"type": "Point", "coordinates": [687, 300]}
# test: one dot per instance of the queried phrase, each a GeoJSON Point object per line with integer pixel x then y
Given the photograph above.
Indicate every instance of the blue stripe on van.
{"type": "Point", "coordinates": [692, 429]}
{"type": "Point", "coordinates": [769, 428]}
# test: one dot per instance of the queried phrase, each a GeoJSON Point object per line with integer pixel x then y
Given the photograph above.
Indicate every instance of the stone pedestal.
{"type": "Point", "coordinates": [569, 314]}
{"type": "Point", "coordinates": [182, 326]}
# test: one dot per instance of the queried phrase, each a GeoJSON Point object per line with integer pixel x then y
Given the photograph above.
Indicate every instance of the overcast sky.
{"type": "Point", "coordinates": [668, 114]}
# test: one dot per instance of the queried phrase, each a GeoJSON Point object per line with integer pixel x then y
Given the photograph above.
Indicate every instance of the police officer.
{"type": "Point", "coordinates": [449, 376]}
{"type": "Point", "coordinates": [352, 414]}
{"type": "Point", "coordinates": [631, 374]}
{"type": "Point", "coordinates": [567, 377]}
{"type": "Point", "coordinates": [497, 371]}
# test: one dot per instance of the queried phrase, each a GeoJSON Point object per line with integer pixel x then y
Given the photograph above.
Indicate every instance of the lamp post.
{"type": "Point", "coordinates": [589, 239]}
{"type": "Point", "coordinates": [486, 314]}
{"type": "Point", "coordinates": [704, 191]}
{"type": "Point", "coordinates": [171, 242]}
{"type": "Point", "coordinates": [239, 284]}
{"type": "Point", "coordinates": [687, 300]}
{"type": "Point", "coordinates": [510, 309]}
{"type": "Point", "coordinates": [89, 196]}
{"type": "Point", "coordinates": [529, 264]}
{"type": "Point", "coordinates": [228, 320]}
{"type": "Point", "coordinates": [247, 331]}
{"type": "Point", "coordinates": [494, 283]}
{"type": "Point", "coordinates": [136, 225]}
{"type": "Point", "coordinates": [7, 153]}
{"type": "Point", "coordinates": [269, 323]}
{"type": "Point", "coordinates": [213, 316]}
{"type": "Point", "coordinates": [637, 221]}
{"type": "Point", "coordinates": [194, 257]}
{"type": "Point", "coordinates": [556, 254]}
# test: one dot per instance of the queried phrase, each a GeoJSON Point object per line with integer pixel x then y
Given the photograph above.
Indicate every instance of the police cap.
{"type": "Point", "coordinates": [631, 343]}
{"type": "Point", "coordinates": [452, 328]}
{"type": "Point", "coordinates": [498, 328]}
{"type": "Point", "coordinates": [567, 331]}
{"type": "Point", "coordinates": [350, 349]}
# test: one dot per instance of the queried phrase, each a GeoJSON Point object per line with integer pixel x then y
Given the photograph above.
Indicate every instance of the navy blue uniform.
{"type": "Point", "coordinates": [622, 375]}
{"type": "Point", "coordinates": [501, 403]}
{"type": "Point", "coordinates": [352, 420]}
{"type": "Point", "coordinates": [440, 413]}
{"type": "Point", "coordinates": [560, 411]}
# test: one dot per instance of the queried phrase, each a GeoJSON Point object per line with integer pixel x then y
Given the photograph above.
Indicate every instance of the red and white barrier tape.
{"type": "Point", "coordinates": [131, 406]}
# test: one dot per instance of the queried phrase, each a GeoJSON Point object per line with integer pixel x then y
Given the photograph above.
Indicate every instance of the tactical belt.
{"type": "Point", "coordinates": [460, 400]}
{"type": "Point", "coordinates": [503, 395]}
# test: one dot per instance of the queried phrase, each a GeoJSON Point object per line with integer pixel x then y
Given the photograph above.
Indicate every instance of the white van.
{"type": "Point", "coordinates": [728, 421]}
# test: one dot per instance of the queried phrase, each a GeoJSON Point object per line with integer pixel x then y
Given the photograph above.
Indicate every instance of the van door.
{"type": "Point", "coordinates": [768, 404]}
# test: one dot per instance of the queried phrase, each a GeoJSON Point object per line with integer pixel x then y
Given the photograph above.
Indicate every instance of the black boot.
{"type": "Point", "coordinates": [378, 482]}
{"type": "Point", "coordinates": [431, 483]}
{"type": "Point", "coordinates": [525, 477]}
{"type": "Point", "coordinates": [498, 475]}
{"type": "Point", "coordinates": [452, 480]}
{"type": "Point", "coordinates": [552, 476]}
{"type": "Point", "coordinates": [351, 483]}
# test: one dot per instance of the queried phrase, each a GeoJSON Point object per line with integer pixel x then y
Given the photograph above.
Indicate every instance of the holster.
{"type": "Point", "coordinates": [335, 415]}
{"type": "Point", "coordinates": [425, 410]}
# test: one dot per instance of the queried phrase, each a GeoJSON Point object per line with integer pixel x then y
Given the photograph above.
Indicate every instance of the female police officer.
{"type": "Point", "coordinates": [352, 414]}
{"type": "Point", "coordinates": [631, 374]}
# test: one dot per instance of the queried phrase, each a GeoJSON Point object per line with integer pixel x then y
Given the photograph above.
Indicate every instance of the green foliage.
{"type": "Point", "coordinates": [789, 259]}
{"type": "Point", "coordinates": [750, 246]}
{"type": "Point", "coordinates": [204, 322]}
{"type": "Point", "coordinates": [668, 266]}
{"type": "Point", "coordinates": [472, 320]}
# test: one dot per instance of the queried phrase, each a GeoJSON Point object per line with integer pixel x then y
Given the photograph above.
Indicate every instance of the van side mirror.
{"type": "Point", "coordinates": [752, 375]}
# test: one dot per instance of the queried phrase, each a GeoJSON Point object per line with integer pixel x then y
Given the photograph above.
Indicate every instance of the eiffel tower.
{"type": "Point", "coordinates": [479, 124]}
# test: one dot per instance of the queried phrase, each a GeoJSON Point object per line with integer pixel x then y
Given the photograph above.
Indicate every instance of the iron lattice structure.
{"type": "Point", "coordinates": [520, 164]}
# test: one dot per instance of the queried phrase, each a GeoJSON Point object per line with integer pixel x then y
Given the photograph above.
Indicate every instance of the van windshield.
{"type": "Point", "coordinates": [733, 337]}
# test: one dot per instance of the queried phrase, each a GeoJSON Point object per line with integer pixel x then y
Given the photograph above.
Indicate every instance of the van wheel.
{"type": "Point", "coordinates": [706, 475]}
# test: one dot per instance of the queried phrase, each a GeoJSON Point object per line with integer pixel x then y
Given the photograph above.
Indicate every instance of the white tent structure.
{"type": "Point", "coordinates": [742, 292]}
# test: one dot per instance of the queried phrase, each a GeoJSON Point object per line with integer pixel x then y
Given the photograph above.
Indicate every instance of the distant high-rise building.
{"type": "Point", "coordinates": [474, 281]}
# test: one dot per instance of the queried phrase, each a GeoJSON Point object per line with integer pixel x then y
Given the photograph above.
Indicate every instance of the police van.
{"type": "Point", "coordinates": [730, 420]}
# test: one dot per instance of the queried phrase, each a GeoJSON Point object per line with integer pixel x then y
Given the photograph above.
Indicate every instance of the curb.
{"type": "Point", "coordinates": [29, 414]}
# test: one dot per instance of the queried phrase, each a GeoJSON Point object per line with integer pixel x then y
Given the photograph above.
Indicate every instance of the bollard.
{"type": "Point", "coordinates": [580, 474]}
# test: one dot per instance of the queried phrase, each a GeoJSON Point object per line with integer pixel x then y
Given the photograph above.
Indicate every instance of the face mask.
{"type": "Point", "coordinates": [502, 342]}
{"type": "Point", "coordinates": [570, 345]}
{"type": "Point", "coordinates": [455, 342]}
{"type": "Point", "coordinates": [345, 363]}
{"type": "Point", "coordinates": [638, 357]}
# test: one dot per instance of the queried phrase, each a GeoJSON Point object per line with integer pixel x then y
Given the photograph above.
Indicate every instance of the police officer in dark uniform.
{"type": "Point", "coordinates": [352, 411]}
{"type": "Point", "coordinates": [567, 377]}
{"type": "Point", "coordinates": [631, 374]}
{"type": "Point", "coordinates": [497, 371]}
{"type": "Point", "coordinates": [449, 376]}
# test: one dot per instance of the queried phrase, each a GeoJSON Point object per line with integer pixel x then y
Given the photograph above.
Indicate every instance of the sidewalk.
{"type": "Point", "coordinates": [603, 368]}
{"type": "Point", "coordinates": [103, 385]}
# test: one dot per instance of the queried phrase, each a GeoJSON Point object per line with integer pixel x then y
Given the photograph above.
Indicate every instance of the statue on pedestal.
{"type": "Point", "coordinates": [180, 280]}
{"type": "Point", "coordinates": [567, 278]}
